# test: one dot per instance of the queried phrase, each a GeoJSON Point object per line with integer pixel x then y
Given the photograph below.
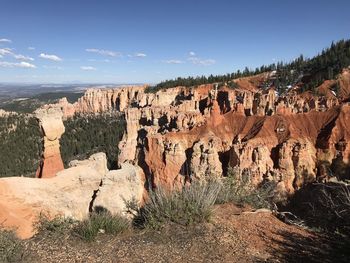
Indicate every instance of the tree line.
{"type": "Point", "coordinates": [308, 73]}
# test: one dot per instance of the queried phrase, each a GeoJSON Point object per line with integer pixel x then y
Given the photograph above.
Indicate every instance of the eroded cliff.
{"type": "Point", "coordinates": [181, 133]}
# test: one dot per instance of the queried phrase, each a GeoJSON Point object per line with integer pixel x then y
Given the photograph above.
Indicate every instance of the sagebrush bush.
{"type": "Point", "coordinates": [103, 222]}
{"type": "Point", "coordinates": [11, 248]}
{"type": "Point", "coordinates": [240, 191]}
{"type": "Point", "coordinates": [191, 204]}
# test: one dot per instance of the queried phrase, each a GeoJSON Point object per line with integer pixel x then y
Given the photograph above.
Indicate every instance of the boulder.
{"type": "Point", "coordinates": [70, 194]}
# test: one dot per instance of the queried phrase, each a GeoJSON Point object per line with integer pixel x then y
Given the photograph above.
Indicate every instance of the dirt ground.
{"type": "Point", "coordinates": [233, 235]}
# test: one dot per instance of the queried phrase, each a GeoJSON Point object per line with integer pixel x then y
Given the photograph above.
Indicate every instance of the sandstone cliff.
{"type": "Point", "coordinates": [185, 133]}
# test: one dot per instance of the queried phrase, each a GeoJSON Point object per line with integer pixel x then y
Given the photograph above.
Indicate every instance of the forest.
{"type": "Point", "coordinates": [21, 145]}
{"type": "Point", "coordinates": [88, 134]}
{"type": "Point", "coordinates": [309, 73]}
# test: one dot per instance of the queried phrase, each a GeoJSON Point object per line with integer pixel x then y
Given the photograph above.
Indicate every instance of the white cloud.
{"type": "Point", "coordinates": [5, 40]}
{"type": "Point", "coordinates": [50, 57]}
{"type": "Point", "coordinates": [0, 56]}
{"type": "Point", "coordinates": [192, 54]}
{"type": "Point", "coordinates": [140, 55]}
{"type": "Point", "coordinates": [26, 65]}
{"type": "Point", "coordinates": [173, 61]}
{"type": "Point", "coordinates": [16, 65]}
{"type": "Point", "coordinates": [6, 51]}
{"type": "Point", "coordinates": [87, 68]}
{"type": "Point", "coordinates": [21, 57]}
{"type": "Point", "coordinates": [104, 52]}
{"type": "Point", "coordinates": [31, 48]}
{"type": "Point", "coordinates": [203, 62]}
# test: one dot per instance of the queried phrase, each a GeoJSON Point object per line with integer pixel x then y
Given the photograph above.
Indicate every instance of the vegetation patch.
{"type": "Point", "coordinates": [103, 222]}
{"type": "Point", "coordinates": [240, 191]}
{"type": "Point", "coordinates": [11, 248]}
{"type": "Point", "coordinates": [324, 206]}
{"type": "Point", "coordinates": [189, 205]}
{"type": "Point", "coordinates": [57, 226]}
{"type": "Point", "coordinates": [21, 145]}
{"type": "Point", "coordinates": [89, 134]}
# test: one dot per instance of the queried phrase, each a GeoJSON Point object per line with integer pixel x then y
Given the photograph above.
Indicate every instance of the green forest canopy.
{"type": "Point", "coordinates": [88, 134]}
{"type": "Point", "coordinates": [21, 145]}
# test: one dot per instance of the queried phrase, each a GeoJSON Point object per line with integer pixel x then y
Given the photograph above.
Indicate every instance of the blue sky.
{"type": "Point", "coordinates": [100, 41]}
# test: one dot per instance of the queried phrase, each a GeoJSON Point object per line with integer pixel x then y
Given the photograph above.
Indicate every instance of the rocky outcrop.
{"type": "Point", "coordinates": [119, 187]}
{"type": "Point", "coordinates": [74, 193]}
{"type": "Point", "coordinates": [180, 134]}
{"type": "Point", "coordinates": [51, 123]}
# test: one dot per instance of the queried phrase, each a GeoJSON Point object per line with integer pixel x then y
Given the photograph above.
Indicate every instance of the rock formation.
{"type": "Point", "coordinates": [74, 193]}
{"type": "Point", "coordinates": [185, 133]}
{"type": "Point", "coordinates": [51, 123]}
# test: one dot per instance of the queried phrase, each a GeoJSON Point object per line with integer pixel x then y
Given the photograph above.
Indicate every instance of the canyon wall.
{"type": "Point", "coordinates": [180, 134]}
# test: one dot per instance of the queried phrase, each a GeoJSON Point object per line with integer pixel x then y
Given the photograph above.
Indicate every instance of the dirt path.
{"type": "Point", "coordinates": [232, 236]}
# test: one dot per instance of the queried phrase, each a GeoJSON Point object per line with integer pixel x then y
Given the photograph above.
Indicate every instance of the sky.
{"type": "Point", "coordinates": [145, 41]}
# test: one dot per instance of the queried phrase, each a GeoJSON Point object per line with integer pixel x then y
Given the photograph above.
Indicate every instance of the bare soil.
{"type": "Point", "coordinates": [233, 235]}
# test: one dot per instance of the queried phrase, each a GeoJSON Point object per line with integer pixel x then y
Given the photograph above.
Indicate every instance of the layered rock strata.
{"type": "Point", "coordinates": [185, 133]}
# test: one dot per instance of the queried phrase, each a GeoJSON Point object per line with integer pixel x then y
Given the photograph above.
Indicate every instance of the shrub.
{"type": "Point", "coordinates": [53, 226]}
{"type": "Point", "coordinates": [103, 222]}
{"type": "Point", "coordinates": [323, 205]}
{"type": "Point", "coordinates": [191, 204]}
{"type": "Point", "coordinates": [240, 191]}
{"type": "Point", "coordinates": [11, 248]}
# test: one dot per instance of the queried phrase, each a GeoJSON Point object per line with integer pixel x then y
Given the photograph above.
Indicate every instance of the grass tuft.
{"type": "Point", "coordinates": [103, 222]}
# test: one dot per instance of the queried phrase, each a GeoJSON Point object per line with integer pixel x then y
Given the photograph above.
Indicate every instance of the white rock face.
{"type": "Point", "coordinates": [68, 194]}
{"type": "Point", "coordinates": [118, 187]}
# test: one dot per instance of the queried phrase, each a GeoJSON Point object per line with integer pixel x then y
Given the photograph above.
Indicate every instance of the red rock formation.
{"type": "Point", "coordinates": [184, 133]}
{"type": "Point", "coordinates": [52, 126]}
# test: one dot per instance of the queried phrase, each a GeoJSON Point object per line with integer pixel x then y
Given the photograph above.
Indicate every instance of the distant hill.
{"type": "Point", "coordinates": [28, 105]}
